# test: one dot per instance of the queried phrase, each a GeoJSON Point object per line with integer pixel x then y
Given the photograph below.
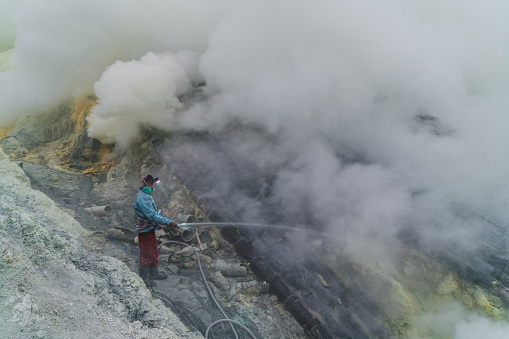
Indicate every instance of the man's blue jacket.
{"type": "Point", "coordinates": [145, 207]}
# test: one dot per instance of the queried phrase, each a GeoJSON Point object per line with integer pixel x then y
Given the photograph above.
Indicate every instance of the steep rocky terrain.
{"type": "Point", "coordinates": [66, 272]}
{"type": "Point", "coordinates": [46, 163]}
{"type": "Point", "coordinates": [345, 163]}
{"type": "Point", "coordinates": [53, 285]}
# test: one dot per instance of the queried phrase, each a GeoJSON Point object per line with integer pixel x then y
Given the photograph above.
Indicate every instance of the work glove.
{"type": "Point", "coordinates": [173, 224]}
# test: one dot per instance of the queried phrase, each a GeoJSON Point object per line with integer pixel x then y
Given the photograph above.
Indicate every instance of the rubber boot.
{"type": "Point", "coordinates": [144, 274]}
{"type": "Point", "coordinates": [155, 274]}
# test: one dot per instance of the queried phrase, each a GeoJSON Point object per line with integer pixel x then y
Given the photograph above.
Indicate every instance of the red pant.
{"type": "Point", "coordinates": [148, 249]}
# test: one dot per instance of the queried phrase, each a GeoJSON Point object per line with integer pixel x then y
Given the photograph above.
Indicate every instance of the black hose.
{"type": "Point", "coordinates": [230, 321]}
{"type": "Point", "coordinates": [226, 319]}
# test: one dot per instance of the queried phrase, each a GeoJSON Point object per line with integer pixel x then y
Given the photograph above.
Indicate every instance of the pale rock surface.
{"type": "Point", "coordinates": [51, 286]}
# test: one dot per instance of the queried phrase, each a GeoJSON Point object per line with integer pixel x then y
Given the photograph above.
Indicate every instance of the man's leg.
{"type": "Point", "coordinates": [154, 270]}
{"type": "Point", "coordinates": [146, 242]}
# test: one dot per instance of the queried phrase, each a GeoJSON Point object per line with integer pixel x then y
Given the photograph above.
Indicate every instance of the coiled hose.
{"type": "Point", "coordinates": [226, 319]}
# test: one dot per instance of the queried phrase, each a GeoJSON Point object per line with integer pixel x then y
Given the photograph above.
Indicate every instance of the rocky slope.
{"type": "Point", "coordinates": [52, 286]}
{"type": "Point", "coordinates": [46, 163]}
{"type": "Point", "coordinates": [67, 273]}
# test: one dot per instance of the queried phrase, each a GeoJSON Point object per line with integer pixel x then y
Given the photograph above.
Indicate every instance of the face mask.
{"type": "Point", "coordinates": [147, 190]}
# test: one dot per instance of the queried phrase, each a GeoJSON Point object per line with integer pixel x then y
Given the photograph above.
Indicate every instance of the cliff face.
{"type": "Point", "coordinates": [57, 138]}
{"type": "Point", "coordinates": [52, 286]}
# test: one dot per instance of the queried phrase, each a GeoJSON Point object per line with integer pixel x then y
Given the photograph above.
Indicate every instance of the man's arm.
{"type": "Point", "coordinates": [149, 212]}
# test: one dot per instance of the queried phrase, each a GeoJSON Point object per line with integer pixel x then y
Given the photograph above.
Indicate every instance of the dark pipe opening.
{"type": "Point", "coordinates": [260, 268]}
{"type": "Point", "coordinates": [231, 234]}
{"type": "Point", "coordinates": [187, 235]}
{"type": "Point", "coordinates": [215, 216]}
{"type": "Point", "coordinates": [279, 288]}
{"type": "Point", "coordinates": [245, 250]}
{"type": "Point", "coordinates": [299, 312]}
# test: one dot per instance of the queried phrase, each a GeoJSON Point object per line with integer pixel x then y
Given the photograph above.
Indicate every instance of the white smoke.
{"type": "Point", "coordinates": [139, 93]}
{"type": "Point", "coordinates": [7, 28]}
{"type": "Point", "coordinates": [62, 47]}
{"type": "Point", "coordinates": [355, 77]}
{"type": "Point", "coordinates": [360, 203]}
{"type": "Point", "coordinates": [477, 327]}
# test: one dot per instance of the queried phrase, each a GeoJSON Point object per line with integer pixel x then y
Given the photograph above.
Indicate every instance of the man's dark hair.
{"type": "Point", "coordinates": [145, 179]}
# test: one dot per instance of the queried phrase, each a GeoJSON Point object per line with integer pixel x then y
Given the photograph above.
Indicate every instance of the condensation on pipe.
{"type": "Point", "coordinates": [100, 211]}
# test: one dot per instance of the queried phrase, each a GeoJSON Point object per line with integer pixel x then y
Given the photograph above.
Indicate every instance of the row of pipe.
{"type": "Point", "coordinates": [188, 174]}
{"type": "Point", "coordinates": [264, 270]}
{"type": "Point", "coordinates": [291, 302]}
{"type": "Point", "coordinates": [278, 269]}
{"type": "Point", "coordinates": [311, 325]}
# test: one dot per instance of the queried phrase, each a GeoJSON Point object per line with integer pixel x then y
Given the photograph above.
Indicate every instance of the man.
{"type": "Point", "coordinates": [147, 221]}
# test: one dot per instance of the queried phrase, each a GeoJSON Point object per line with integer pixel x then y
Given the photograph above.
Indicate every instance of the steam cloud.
{"type": "Point", "coordinates": [388, 113]}
{"type": "Point", "coordinates": [134, 94]}
{"type": "Point", "coordinates": [63, 47]}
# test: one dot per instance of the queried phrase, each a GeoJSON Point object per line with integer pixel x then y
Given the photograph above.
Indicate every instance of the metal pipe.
{"type": "Point", "coordinates": [182, 234]}
{"type": "Point", "coordinates": [186, 234]}
{"type": "Point", "coordinates": [229, 269]}
{"type": "Point", "coordinates": [100, 211]}
{"type": "Point", "coordinates": [186, 218]}
{"type": "Point", "coordinates": [231, 233]}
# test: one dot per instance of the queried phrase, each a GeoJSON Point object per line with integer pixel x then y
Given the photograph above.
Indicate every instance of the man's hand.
{"type": "Point", "coordinates": [173, 224]}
